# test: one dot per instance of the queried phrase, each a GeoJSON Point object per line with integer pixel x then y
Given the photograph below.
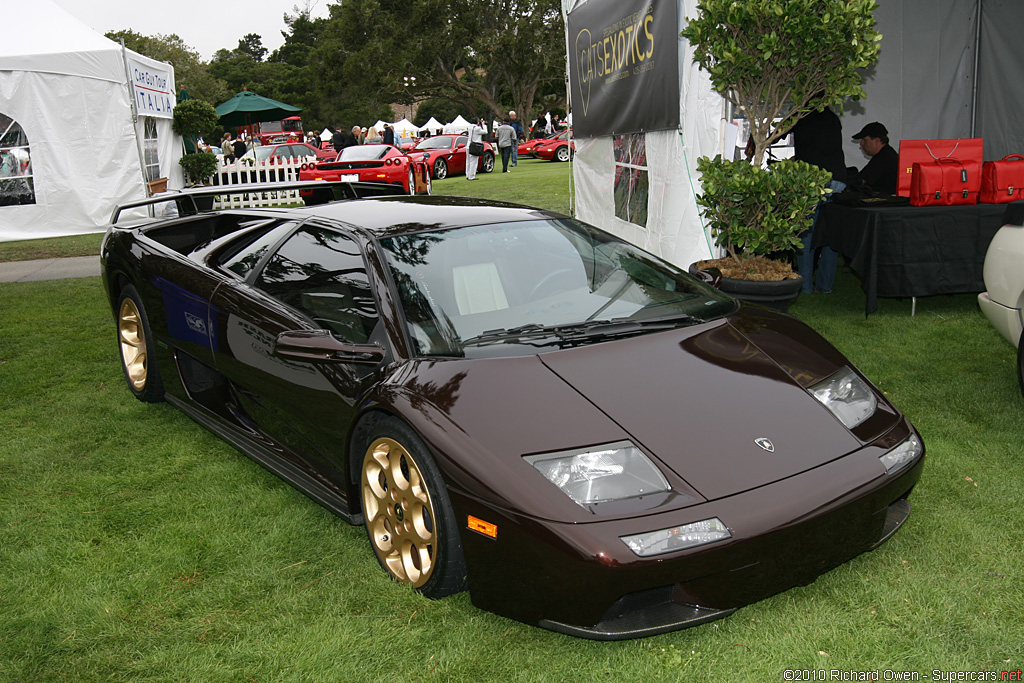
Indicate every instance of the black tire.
{"type": "Point", "coordinates": [426, 179]}
{"type": "Point", "coordinates": [487, 162]}
{"type": "Point", "coordinates": [136, 349]}
{"type": "Point", "coordinates": [440, 169]}
{"type": "Point", "coordinates": [409, 518]}
{"type": "Point", "coordinates": [562, 153]}
{"type": "Point", "coordinates": [1020, 363]}
{"type": "Point", "coordinates": [412, 181]}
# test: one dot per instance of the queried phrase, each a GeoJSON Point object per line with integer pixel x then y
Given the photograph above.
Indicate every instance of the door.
{"type": "Point", "coordinates": [314, 279]}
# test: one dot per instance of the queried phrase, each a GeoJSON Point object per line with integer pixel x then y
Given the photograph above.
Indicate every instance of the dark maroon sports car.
{"type": "Point", "coordinates": [516, 403]}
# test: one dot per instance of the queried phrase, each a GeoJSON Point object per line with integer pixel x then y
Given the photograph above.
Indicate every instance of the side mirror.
{"type": "Point", "coordinates": [321, 346]}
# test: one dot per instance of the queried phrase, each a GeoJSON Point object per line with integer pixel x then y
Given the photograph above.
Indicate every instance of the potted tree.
{"type": "Point", "coordinates": [776, 61]}
{"type": "Point", "coordinates": [194, 119]}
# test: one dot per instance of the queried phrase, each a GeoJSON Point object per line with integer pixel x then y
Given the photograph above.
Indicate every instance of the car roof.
{"type": "Point", "coordinates": [405, 214]}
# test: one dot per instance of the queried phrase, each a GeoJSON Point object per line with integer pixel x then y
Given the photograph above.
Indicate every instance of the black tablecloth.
{"type": "Point", "coordinates": [907, 251]}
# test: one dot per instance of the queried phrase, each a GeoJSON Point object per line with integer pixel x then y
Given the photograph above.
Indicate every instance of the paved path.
{"type": "Point", "coordinates": [50, 269]}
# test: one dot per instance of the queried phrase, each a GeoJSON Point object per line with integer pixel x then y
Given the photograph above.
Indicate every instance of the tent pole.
{"type": "Point", "coordinates": [568, 101]}
{"type": "Point", "coordinates": [135, 119]}
{"type": "Point", "coordinates": [977, 62]}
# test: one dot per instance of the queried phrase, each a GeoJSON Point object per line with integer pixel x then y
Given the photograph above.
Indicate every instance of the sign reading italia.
{"type": "Point", "coordinates": [623, 66]}
{"type": "Point", "coordinates": [152, 90]}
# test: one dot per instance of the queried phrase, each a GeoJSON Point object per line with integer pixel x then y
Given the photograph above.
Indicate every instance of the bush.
{"type": "Point", "coordinates": [198, 167]}
{"type": "Point", "coordinates": [754, 211]}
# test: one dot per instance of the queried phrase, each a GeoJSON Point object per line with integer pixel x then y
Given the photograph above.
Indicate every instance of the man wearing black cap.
{"type": "Point", "coordinates": [880, 173]}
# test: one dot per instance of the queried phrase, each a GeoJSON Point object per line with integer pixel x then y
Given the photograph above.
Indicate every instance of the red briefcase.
{"type": "Point", "coordinates": [1002, 181]}
{"type": "Point", "coordinates": [945, 182]}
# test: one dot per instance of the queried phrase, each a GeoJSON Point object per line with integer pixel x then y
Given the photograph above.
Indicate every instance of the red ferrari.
{"type": "Point", "coordinates": [373, 163]}
{"type": "Point", "coordinates": [446, 154]}
{"type": "Point", "coordinates": [558, 148]}
{"type": "Point", "coordinates": [526, 148]}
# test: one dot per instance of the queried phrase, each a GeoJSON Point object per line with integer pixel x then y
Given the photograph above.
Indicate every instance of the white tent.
{"type": "Point", "coordinates": [459, 125]}
{"type": "Point", "coordinates": [404, 128]}
{"type": "Point", "coordinates": [90, 121]}
{"type": "Point", "coordinates": [326, 134]}
{"type": "Point", "coordinates": [433, 126]}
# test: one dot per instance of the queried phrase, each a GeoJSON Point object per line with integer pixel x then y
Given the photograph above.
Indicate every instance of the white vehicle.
{"type": "Point", "coordinates": [1003, 303]}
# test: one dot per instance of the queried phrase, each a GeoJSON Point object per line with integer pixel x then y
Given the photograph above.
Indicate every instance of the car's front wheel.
{"type": "Point", "coordinates": [409, 518]}
{"type": "Point", "coordinates": [135, 344]}
{"type": "Point", "coordinates": [1020, 362]}
{"type": "Point", "coordinates": [440, 169]}
{"type": "Point", "coordinates": [487, 162]}
{"type": "Point", "coordinates": [412, 181]}
{"type": "Point", "coordinates": [562, 153]}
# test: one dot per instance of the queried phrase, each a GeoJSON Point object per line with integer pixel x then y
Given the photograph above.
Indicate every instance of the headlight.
{"type": "Point", "coordinates": [677, 538]}
{"type": "Point", "coordinates": [848, 397]}
{"type": "Point", "coordinates": [610, 472]}
{"type": "Point", "coordinates": [903, 454]}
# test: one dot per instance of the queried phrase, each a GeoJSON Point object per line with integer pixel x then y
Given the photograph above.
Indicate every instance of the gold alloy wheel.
{"type": "Point", "coordinates": [132, 338]}
{"type": "Point", "coordinates": [399, 512]}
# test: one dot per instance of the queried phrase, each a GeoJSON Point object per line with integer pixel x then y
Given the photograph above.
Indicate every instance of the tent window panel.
{"type": "Point", "coordinates": [150, 154]}
{"type": "Point", "coordinates": [17, 185]}
{"type": "Point", "coordinates": [632, 184]}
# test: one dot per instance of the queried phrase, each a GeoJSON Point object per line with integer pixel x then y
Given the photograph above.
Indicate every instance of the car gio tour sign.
{"type": "Point", "coordinates": [152, 90]}
{"type": "Point", "coordinates": [623, 66]}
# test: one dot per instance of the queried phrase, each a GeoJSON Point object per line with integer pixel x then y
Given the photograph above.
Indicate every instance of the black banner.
{"type": "Point", "coordinates": [624, 66]}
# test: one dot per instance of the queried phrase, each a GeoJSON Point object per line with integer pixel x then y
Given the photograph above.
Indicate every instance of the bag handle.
{"type": "Point", "coordinates": [947, 156]}
{"type": "Point", "coordinates": [1014, 157]}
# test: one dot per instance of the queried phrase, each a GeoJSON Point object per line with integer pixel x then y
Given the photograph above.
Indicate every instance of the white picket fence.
{"type": "Point", "coordinates": [244, 173]}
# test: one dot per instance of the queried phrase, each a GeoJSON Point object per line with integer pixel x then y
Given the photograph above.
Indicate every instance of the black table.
{"type": "Point", "coordinates": [911, 251]}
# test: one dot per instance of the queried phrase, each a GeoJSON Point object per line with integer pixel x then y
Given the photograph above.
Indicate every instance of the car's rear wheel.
{"type": "Point", "coordinates": [440, 169]}
{"type": "Point", "coordinates": [487, 162]}
{"type": "Point", "coordinates": [562, 153]}
{"type": "Point", "coordinates": [409, 518]}
{"type": "Point", "coordinates": [135, 344]}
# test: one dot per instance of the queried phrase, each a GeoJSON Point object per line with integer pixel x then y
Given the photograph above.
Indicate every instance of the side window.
{"type": "Point", "coordinates": [150, 147]}
{"type": "Point", "coordinates": [242, 256]}
{"type": "Point", "coordinates": [321, 273]}
{"type": "Point", "coordinates": [17, 185]}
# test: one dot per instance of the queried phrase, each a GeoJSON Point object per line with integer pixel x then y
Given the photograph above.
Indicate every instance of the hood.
{"type": "Point", "coordinates": [696, 399]}
{"type": "Point", "coordinates": [700, 400]}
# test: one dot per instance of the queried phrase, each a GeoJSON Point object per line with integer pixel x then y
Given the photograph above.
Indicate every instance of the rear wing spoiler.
{"type": "Point", "coordinates": [189, 200]}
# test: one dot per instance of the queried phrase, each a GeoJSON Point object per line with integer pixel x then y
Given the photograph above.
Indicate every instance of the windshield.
{"type": "Point", "coordinates": [535, 285]}
{"type": "Point", "coordinates": [435, 143]}
{"type": "Point", "coordinates": [363, 153]}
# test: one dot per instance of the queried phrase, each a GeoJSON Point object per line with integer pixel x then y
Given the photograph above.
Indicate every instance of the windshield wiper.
{"type": "Point", "coordinates": [591, 330]}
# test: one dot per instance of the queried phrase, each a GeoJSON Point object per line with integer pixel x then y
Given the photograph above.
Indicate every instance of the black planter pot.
{"type": "Point", "coordinates": [775, 294]}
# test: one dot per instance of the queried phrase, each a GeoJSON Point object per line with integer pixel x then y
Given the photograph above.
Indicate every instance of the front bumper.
{"type": "Point", "coordinates": [1005, 319]}
{"type": "Point", "coordinates": [582, 580]}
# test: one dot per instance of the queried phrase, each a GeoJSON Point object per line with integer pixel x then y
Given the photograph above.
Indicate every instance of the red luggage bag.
{"type": "Point", "coordinates": [1002, 181]}
{"type": "Point", "coordinates": [945, 182]}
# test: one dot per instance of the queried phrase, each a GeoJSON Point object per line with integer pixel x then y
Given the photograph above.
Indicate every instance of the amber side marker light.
{"type": "Point", "coordinates": [481, 527]}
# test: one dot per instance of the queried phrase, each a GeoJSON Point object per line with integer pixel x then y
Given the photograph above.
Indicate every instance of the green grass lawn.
{"type": "Point", "coordinates": [137, 546]}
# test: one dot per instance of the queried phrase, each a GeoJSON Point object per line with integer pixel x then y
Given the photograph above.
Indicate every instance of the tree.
{"type": "Point", "coordinates": [775, 59]}
{"type": "Point", "coordinates": [487, 55]}
{"type": "Point", "coordinates": [251, 44]}
{"type": "Point", "coordinates": [783, 58]}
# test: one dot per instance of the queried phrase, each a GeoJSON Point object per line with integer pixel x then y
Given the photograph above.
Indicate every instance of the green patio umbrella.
{"type": "Point", "coordinates": [247, 107]}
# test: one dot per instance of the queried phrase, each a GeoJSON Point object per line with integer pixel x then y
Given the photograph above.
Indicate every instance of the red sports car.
{"type": "Point", "coordinates": [558, 148]}
{"type": "Point", "coordinates": [527, 147]}
{"type": "Point", "coordinates": [446, 154]}
{"type": "Point", "coordinates": [290, 150]}
{"type": "Point", "coordinates": [373, 163]}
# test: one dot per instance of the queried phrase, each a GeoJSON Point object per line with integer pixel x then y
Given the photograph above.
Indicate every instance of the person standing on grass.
{"type": "Point", "coordinates": [476, 134]}
{"type": "Point", "coordinates": [518, 125]}
{"type": "Point", "coordinates": [506, 136]}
